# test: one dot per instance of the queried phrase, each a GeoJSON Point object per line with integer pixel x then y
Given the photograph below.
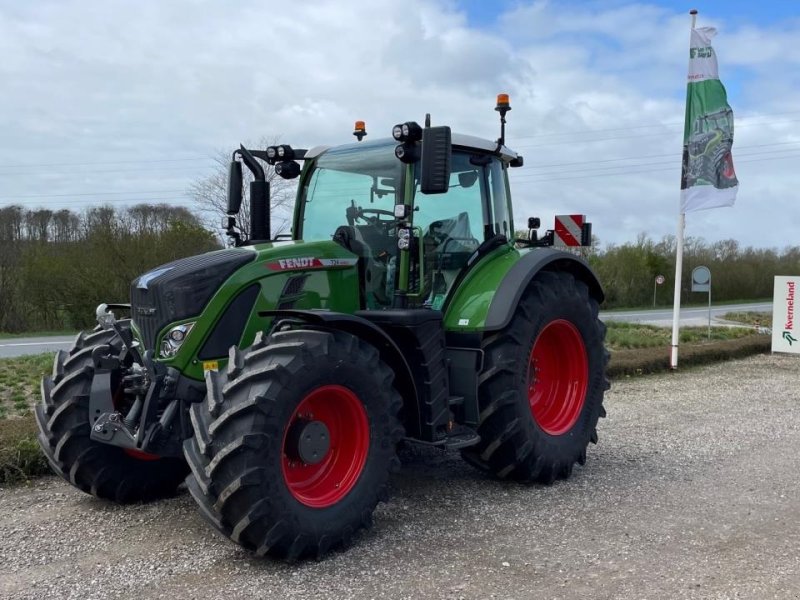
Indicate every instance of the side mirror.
{"type": "Point", "coordinates": [467, 179]}
{"type": "Point", "coordinates": [234, 187]}
{"type": "Point", "coordinates": [436, 154]}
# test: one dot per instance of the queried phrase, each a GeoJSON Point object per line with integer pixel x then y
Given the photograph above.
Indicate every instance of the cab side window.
{"type": "Point", "coordinates": [451, 226]}
{"type": "Point", "coordinates": [501, 222]}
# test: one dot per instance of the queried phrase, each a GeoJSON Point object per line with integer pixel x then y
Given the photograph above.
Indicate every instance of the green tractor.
{"type": "Point", "coordinates": [277, 377]}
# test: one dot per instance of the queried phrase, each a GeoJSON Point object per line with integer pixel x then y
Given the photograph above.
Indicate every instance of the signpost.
{"type": "Point", "coordinates": [701, 282]}
{"type": "Point", "coordinates": [785, 330]}
{"type": "Point", "coordinates": [659, 281]}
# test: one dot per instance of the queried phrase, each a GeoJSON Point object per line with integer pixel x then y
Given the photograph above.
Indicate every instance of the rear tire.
{"type": "Point", "coordinates": [253, 478]}
{"type": "Point", "coordinates": [99, 469]}
{"type": "Point", "coordinates": [541, 391]}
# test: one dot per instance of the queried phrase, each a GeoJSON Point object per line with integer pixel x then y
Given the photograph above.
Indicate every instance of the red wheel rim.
{"type": "Point", "coordinates": [558, 376]}
{"type": "Point", "coordinates": [727, 166]}
{"type": "Point", "coordinates": [139, 455]}
{"type": "Point", "coordinates": [328, 481]}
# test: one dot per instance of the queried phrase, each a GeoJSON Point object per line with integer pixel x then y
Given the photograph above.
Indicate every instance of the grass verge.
{"type": "Point", "coordinates": [753, 319]}
{"type": "Point", "coordinates": [20, 456]}
{"type": "Point", "coordinates": [640, 361]}
{"type": "Point", "coordinates": [637, 335]}
{"type": "Point", "coordinates": [19, 382]}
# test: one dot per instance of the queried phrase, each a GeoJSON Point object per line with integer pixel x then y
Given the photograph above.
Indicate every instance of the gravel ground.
{"type": "Point", "coordinates": [691, 493]}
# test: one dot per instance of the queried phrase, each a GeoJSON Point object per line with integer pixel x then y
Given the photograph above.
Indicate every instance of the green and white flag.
{"type": "Point", "coordinates": [708, 179]}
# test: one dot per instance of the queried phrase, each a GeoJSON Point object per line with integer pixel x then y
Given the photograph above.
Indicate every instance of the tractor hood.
{"type": "Point", "coordinates": [221, 293]}
{"type": "Point", "coordinates": [181, 289]}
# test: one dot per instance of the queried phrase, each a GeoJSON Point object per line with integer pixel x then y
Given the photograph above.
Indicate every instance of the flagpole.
{"type": "Point", "coordinates": [676, 304]}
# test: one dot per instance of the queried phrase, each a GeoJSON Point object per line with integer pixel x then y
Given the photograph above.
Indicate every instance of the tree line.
{"type": "Point", "coordinates": [57, 266]}
{"type": "Point", "coordinates": [628, 271]}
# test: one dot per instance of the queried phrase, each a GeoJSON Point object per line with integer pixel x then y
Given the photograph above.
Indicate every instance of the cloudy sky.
{"type": "Point", "coordinates": [119, 101]}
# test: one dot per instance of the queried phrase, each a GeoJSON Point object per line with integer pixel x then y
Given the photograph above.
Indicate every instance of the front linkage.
{"type": "Point", "coordinates": [153, 423]}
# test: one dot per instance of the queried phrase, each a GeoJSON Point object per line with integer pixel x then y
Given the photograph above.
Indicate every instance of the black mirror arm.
{"type": "Point", "coordinates": [250, 161]}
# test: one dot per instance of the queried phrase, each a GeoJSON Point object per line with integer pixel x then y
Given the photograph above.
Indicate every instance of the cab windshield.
{"type": "Point", "coordinates": [351, 185]}
{"type": "Point", "coordinates": [349, 197]}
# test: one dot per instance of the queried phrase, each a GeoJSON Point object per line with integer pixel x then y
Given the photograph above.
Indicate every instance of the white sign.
{"type": "Point", "coordinates": [785, 328]}
{"type": "Point", "coordinates": [701, 279]}
{"type": "Point", "coordinates": [660, 279]}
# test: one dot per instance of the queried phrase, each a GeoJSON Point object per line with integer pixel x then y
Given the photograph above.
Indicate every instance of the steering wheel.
{"type": "Point", "coordinates": [363, 214]}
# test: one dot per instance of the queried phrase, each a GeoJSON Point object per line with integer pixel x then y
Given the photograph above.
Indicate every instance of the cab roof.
{"type": "Point", "coordinates": [459, 140]}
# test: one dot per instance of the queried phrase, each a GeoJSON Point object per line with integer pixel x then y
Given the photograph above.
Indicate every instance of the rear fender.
{"type": "Point", "coordinates": [520, 275]}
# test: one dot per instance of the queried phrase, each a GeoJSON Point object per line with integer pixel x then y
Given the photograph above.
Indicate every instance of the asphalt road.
{"type": "Point", "coordinates": [34, 345]}
{"type": "Point", "coordinates": [692, 493]}
{"type": "Point", "coordinates": [689, 316]}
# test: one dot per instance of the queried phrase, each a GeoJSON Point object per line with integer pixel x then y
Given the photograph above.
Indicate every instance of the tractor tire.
{"type": "Point", "coordinates": [105, 471]}
{"type": "Point", "coordinates": [541, 391]}
{"type": "Point", "coordinates": [294, 443]}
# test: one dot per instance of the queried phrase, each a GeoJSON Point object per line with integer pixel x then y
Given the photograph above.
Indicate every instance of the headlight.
{"type": "Point", "coordinates": [173, 339]}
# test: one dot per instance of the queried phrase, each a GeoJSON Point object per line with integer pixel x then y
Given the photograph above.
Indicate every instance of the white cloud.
{"type": "Point", "coordinates": [113, 81]}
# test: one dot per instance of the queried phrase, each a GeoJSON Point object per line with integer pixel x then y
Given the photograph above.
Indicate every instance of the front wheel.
{"type": "Point", "coordinates": [294, 443]}
{"type": "Point", "coordinates": [64, 424]}
{"type": "Point", "coordinates": [541, 391]}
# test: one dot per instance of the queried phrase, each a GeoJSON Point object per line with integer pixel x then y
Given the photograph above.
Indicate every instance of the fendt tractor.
{"type": "Point", "coordinates": [278, 377]}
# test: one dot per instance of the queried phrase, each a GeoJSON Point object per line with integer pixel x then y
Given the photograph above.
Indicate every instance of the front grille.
{"type": "Point", "coordinates": [181, 289]}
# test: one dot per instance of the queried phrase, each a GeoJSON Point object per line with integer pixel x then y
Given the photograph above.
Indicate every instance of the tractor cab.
{"type": "Point", "coordinates": [367, 200]}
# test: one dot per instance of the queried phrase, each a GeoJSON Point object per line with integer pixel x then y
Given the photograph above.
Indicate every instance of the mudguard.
{"type": "Point", "coordinates": [516, 280]}
{"type": "Point", "coordinates": [374, 335]}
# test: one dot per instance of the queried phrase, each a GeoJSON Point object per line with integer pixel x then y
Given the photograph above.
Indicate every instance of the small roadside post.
{"type": "Point", "coordinates": [785, 334]}
{"type": "Point", "coordinates": [701, 282]}
{"type": "Point", "coordinates": [658, 281]}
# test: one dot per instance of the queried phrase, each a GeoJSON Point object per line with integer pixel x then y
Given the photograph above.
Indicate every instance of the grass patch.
{"type": "Point", "coordinates": [19, 382]}
{"type": "Point", "coordinates": [636, 335]}
{"type": "Point", "coordinates": [753, 319]}
{"type": "Point", "coordinates": [640, 361]}
{"type": "Point", "coordinates": [20, 456]}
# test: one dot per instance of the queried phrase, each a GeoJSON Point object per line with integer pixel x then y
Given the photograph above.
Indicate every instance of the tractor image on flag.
{"type": "Point", "coordinates": [709, 159]}
{"type": "Point", "coordinates": [277, 377]}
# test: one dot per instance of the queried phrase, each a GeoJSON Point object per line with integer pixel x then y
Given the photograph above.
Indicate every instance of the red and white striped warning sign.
{"type": "Point", "coordinates": [568, 230]}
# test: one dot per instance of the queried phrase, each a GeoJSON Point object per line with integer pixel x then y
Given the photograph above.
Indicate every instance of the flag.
{"type": "Point", "coordinates": [708, 179]}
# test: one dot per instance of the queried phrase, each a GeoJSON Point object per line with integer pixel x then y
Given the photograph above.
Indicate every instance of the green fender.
{"type": "Point", "coordinates": [488, 296]}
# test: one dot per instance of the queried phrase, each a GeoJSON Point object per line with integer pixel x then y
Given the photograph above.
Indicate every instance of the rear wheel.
{"type": "Point", "coordinates": [293, 446]}
{"type": "Point", "coordinates": [541, 391]}
{"type": "Point", "coordinates": [99, 469]}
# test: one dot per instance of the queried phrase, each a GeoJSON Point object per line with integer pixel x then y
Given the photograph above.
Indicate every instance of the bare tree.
{"type": "Point", "coordinates": [211, 191]}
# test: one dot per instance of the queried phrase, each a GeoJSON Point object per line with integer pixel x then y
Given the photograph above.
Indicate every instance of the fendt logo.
{"type": "Point", "coordinates": [309, 262]}
{"type": "Point", "coordinates": [304, 262]}
{"type": "Point", "coordinates": [706, 52]}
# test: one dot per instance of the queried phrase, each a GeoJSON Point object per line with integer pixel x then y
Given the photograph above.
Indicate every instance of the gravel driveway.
{"type": "Point", "coordinates": [692, 492]}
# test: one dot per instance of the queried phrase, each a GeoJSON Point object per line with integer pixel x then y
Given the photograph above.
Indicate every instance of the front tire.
{"type": "Point", "coordinates": [293, 446]}
{"type": "Point", "coordinates": [541, 391]}
{"type": "Point", "coordinates": [99, 469]}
